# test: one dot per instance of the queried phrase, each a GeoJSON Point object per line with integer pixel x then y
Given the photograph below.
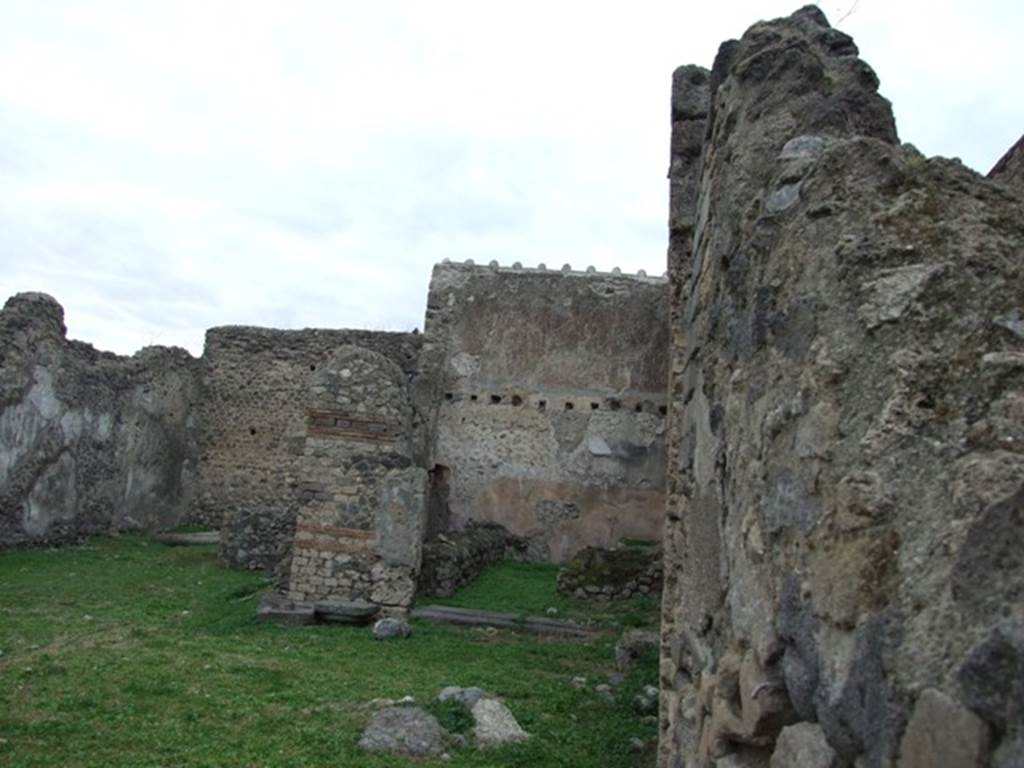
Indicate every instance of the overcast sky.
{"type": "Point", "coordinates": [166, 167]}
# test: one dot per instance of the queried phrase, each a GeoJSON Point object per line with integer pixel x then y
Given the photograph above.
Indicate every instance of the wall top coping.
{"type": "Point", "coordinates": [566, 269]}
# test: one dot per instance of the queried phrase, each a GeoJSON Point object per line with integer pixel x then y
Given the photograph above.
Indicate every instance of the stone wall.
{"type": "Point", "coordinates": [90, 442]}
{"type": "Point", "coordinates": [362, 513]}
{"type": "Point", "coordinates": [456, 558]}
{"type": "Point", "coordinates": [551, 402]}
{"type": "Point", "coordinates": [846, 503]}
{"type": "Point", "coordinates": [257, 468]}
{"type": "Point", "coordinates": [594, 573]}
{"type": "Point", "coordinates": [1010, 168]}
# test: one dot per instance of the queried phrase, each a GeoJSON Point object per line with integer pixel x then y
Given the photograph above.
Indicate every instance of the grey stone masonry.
{"type": "Point", "coordinates": [90, 442]}
{"type": "Point", "coordinates": [846, 451]}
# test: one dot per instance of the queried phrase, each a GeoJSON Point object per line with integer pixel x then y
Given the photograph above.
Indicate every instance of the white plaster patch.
{"type": "Point", "coordinates": [72, 424]}
{"type": "Point", "coordinates": [42, 396]}
{"type": "Point", "coordinates": [54, 497]}
{"type": "Point", "coordinates": [890, 294]}
{"type": "Point", "coordinates": [465, 364]}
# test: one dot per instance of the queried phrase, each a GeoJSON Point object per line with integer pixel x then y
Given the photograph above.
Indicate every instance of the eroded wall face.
{"type": "Point", "coordinates": [1010, 168]}
{"type": "Point", "coordinates": [845, 518]}
{"type": "Point", "coordinates": [257, 463]}
{"type": "Point", "coordinates": [551, 399]}
{"type": "Point", "coordinates": [360, 525]}
{"type": "Point", "coordinates": [90, 442]}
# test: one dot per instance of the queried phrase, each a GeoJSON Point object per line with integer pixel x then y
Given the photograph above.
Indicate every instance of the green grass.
{"type": "Point", "coordinates": [123, 652]}
{"type": "Point", "coordinates": [529, 589]}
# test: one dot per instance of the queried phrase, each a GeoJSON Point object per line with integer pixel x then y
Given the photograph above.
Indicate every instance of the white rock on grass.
{"type": "Point", "coordinates": [467, 697]}
{"type": "Point", "coordinates": [403, 731]}
{"type": "Point", "coordinates": [388, 629]}
{"type": "Point", "coordinates": [495, 724]}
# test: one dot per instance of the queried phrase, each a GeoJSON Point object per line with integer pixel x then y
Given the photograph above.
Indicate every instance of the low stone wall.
{"type": "Point", "coordinates": [454, 559]}
{"type": "Point", "coordinates": [612, 574]}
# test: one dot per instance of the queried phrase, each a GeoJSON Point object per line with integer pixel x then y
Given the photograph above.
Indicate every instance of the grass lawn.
{"type": "Point", "coordinates": [122, 652]}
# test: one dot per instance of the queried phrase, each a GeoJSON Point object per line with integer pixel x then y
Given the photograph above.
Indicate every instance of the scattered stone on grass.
{"type": "Point", "coordinates": [632, 644]}
{"type": "Point", "coordinates": [495, 724]}
{"type": "Point", "coordinates": [390, 629]}
{"type": "Point", "coordinates": [636, 744]}
{"type": "Point", "coordinates": [646, 702]}
{"type": "Point", "coordinates": [467, 697]}
{"type": "Point", "coordinates": [405, 701]}
{"type": "Point", "coordinates": [579, 682]}
{"type": "Point", "coordinates": [409, 731]}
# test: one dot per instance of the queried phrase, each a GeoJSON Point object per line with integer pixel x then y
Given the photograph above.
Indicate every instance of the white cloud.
{"type": "Point", "coordinates": [170, 166]}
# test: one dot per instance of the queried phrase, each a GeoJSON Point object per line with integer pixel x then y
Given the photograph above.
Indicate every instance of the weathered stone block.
{"type": "Point", "coordinates": [942, 732]}
{"type": "Point", "coordinates": [803, 745]}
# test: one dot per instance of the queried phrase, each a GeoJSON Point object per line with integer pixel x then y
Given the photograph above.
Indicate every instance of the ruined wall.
{"type": "Point", "coordinates": [1010, 167]}
{"type": "Point", "coordinates": [257, 467]}
{"type": "Point", "coordinates": [89, 442]}
{"type": "Point", "coordinates": [551, 400]}
{"type": "Point", "coordinates": [846, 513]}
{"type": "Point", "coordinates": [362, 514]}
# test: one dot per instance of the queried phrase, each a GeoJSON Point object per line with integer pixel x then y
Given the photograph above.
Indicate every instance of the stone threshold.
{"type": "Point", "coordinates": [477, 618]}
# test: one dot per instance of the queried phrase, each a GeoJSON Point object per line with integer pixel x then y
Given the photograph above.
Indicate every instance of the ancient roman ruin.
{"type": "Point", "coordinates": [819, 412]}
{"type": "Point", "coordinates": [535, 399]}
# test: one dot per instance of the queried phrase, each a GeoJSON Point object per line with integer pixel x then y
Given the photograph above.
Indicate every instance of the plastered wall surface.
{"type": "Point", "coordinates": [551, 399]}
{"type": "Point", "coordinates": [90, 442]}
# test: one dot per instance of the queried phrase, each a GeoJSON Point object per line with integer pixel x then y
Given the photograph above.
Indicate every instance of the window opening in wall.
{"type": "Point", "coordinates": [594, 406]}
{"type": "Point", "coordinates": [614, 404]}
{"type": "Point", "coordinates": [312, 367]}
{"type": "Point", "coordinates": [517, 400]}
{"type": "Point", "coordinates": [542, 405]}
{"type": "Point", "coordinates": [663, 410]}
{"type": "Point", "coordinates": [252, 430]}
{"type": "Point", "coordinates": [569, 406]}
{"type": "Point", "coordinates": [472, 398]}
{"type": "Point", "coordinates": [639, 408]}
{"type": "Point", "coordinates": [495, 399]}
{"type": "Point", "coordinates": [449, 396]}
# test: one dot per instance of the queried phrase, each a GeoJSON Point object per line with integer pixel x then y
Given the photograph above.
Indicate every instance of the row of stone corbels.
{"type": "Point", "coordinates": [566, 269]}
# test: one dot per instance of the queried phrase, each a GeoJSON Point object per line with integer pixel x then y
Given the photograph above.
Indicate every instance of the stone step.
{"type": "Point", "coordinates": [277, 609]}
{"type": "Point", "coordinates": [477, 618]}
{"type": "Point", "coordinates": [346, 612]}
